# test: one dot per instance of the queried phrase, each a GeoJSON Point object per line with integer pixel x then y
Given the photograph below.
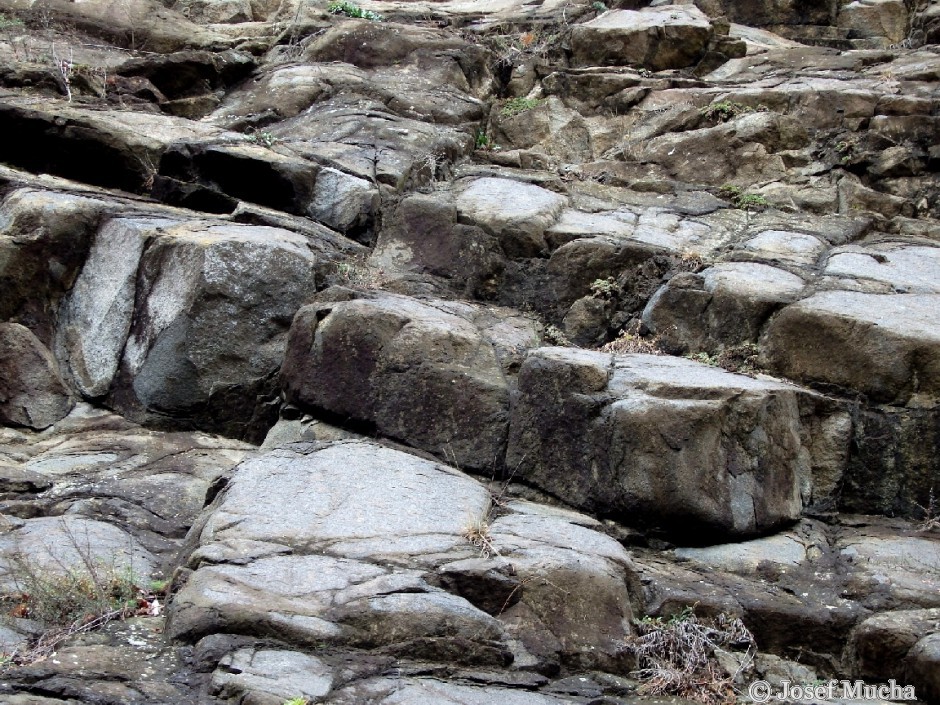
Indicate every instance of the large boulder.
{"type": "Point", "coordinates": [876, 18]}
{"type": "Point", "coordinates": [44, 239]}
{"type": "Point", "coordinates": [664, 441]}
{"type": "Point", "coordinates": [422, 235]}
{"type": "Point", "coordinates": [430, 373]}
{"type": "Point", "coordinates": [878, 648]}
{"type": "Point", "coordinates": [32, 392]}
{"type": "Point", "coordinates": [725, 305]}
{"type": "Point", "coordinates": [185, 322]}
{"type": "Point", "coordinates": [886, 346]}
{"type": "Point", "coordinates": [660, 38]}
{"type": "Point", "coordinates": [398, 554]}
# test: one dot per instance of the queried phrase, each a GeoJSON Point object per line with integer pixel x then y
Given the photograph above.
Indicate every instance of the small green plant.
{"type": "Point", "coordinates": [483, 141]}
{"type": "Point", "coordinates": [742, 199]}
{"type": "Point", "coordinates": [8, 22]}
{"type": "Point", "coordinates": [263, 138]}
{"type": "Point", "coordinates": [704, 358]}
{"type": "Point", "coordinates": [725, 110]}
{"type": "Point", "coordinates": [297, 701]}
{"type": "Point", "coordinates": [517, 106]}
{"type": "Point", "coordinates": [604, 288]}
{"type": "Point", "coordinates": [676, 656]}
{"type": "Point", "coordinates": [350, 10]}
{"type": "Point", "coordinates": [598, 7]}
{"type": "Point", "coordinates": [750, 201]}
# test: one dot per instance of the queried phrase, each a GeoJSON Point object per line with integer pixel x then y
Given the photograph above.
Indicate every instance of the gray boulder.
{"type": "Point", "coordinates": [884, 346]}
{"type": "Point", "coordinates": [666, 441]}
{"type": "Point", "coordinates": [725, 305]}
{"type": "Point", "coordinates": [32, 392]}
{"type": "Point", "coordinates": [347, 544]}
{"type": "Point", "coordinates": [185, 319]}
{"type": "Point", "coordinates": [660, 38]}
{"type": "Point", "coordinates": [432, 373]}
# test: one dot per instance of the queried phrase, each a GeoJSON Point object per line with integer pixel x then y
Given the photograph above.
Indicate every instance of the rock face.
{"type": "Point", "coordinates": [666, 37]}
{"type": "Point", "coordinates": [162, 309]}
{"type": "Point", "coordinates": [381, 557]}
{"type": "Point", "coordinates": [562, 245]}
{"type": "Point", "coordinates": [432, 374]}
{"type": "Point", "coordinates": [882, 346]}
{"type": "Point", "coordinates": [670, 442]}
{"type": "Point", "coordinates": [32, 392]}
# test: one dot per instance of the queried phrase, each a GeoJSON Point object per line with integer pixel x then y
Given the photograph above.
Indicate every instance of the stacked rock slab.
{"type": "Point", "coordinates": [354, 545]}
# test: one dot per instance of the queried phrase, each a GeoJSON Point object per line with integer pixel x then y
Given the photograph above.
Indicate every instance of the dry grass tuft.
{"type": "Point", "coordinates": [676, 656]}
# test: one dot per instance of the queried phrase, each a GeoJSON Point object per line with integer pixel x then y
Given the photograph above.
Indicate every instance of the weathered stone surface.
{"type": "Point", "coordinates": [32, 392]}
{"type": "Point", "coordinates": [422, 235]}
{"type": "Point", "coordinates": [923, 662]}
{"type": "Point", "coordinates": [725, 305]}
{"type": "Point", "coordinates": [499, 152]}
{"type": "Point", "coordinates": [44, 237]}
{"type": "Point", "coordinates": [875, 18]}
{"type": "Point", "coordinates": [879, 646]}
{"type": "Point", "coordinates": [95, 464]}
{"type": "Point", "coordinates": [429, 373]}
{"type": "Point", "coordinates": [663, 440]}
{"type": "Point", "coordinates": [892, 571]}
{"type": "Point", "coordinates": [517, 214]}
{"type": "Point", "coordinates": [379, 530]}
{"type": "Point", "coordinates": [426, 691]}
{"type": "Point", "coordinates": [781, 550]}
{"type": "Point", "coordinates": [163, 309]}
{"type": "Point", "coordinates": [342, 202]}
{"type": "Point", "coordinates": [668, 37]}
{"type": "Point", "coordinates": [883, 346]}
{"type": "Point", "coordinates": [270, 676]}
{"type": "Point", "coordinates": [55, 545]}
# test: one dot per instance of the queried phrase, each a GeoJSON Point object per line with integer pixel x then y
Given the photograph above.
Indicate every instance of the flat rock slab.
{"type": "Point", "coordinates": [689, 447]}
{"type": "Point", "coordinates": [902, 269]}
{"type": "Point", "coordinates": [884, 346]}
{"type": "Point", "coordinates": [667, 37]}
{"type": "Point", "coordinates": [95, 464]}
{"type": "Point", "coordinates": [362, 559]}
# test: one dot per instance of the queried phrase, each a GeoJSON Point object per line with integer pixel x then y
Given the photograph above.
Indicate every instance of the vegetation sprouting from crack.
{"type": "Point", "coordinates": [677, 656]}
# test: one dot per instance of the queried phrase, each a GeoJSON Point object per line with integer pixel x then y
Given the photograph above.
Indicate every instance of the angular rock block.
{"type": "Point", "coordinates": [32, 392]}
{"type": "Point", "coordinates": [725, 305]}
{"type": "Point", "coordinates": [884, 346]}
{"type": "Point", "coordinates": [876, 18]}
{"type": "Point", "coordinates": [430, 373]}
{"type": "Point", "coordinates": [666, 441]}
{"type": "Point", "coordinates": [184, 319]}
{"type": "Point", "coordinates": [669, 37]}
{"type": "Point", "coordinates": [878, 648]}
{"type": "Point", "coordinates": [516, 213]}
{"type": "Point", "coordinates": [44, 239]}
{"type": "Point", "coordinates": [347, 543]}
